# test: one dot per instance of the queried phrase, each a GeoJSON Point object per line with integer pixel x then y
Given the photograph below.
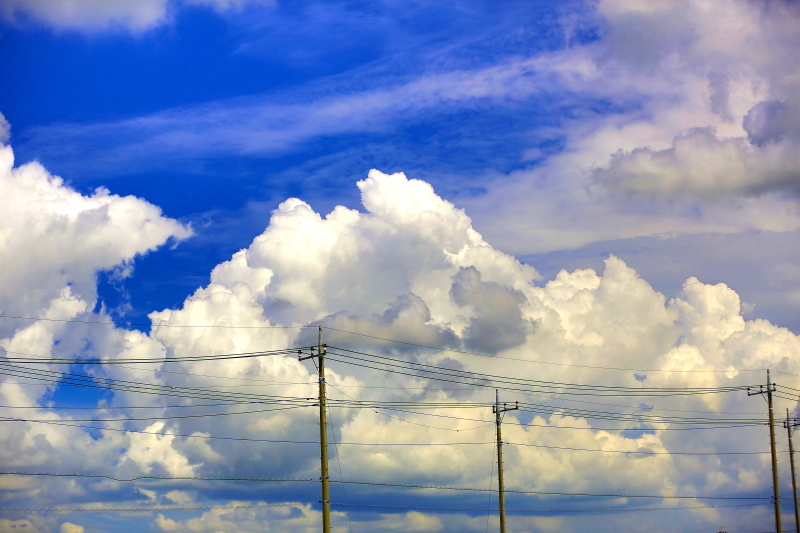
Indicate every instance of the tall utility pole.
{"type": "Point", "coordinates": [776, 496]}
{"type": "Point", "coordinates": [497, 410]}
{"type": "Point", "coordinates": [323, 433]}
{"type": "Point", "coordinates": [790, 425]}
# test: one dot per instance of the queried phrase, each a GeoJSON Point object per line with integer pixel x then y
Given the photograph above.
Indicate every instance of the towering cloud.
{"type": "Point", "coordinates": [409, 268]}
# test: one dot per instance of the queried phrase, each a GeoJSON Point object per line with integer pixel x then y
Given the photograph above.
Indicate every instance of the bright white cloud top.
{"type": "Point", "coordinates": [410, 267]}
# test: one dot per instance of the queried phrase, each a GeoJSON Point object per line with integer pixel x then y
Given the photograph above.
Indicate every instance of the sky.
{"type": "Point", "coordinates": [593, 205]}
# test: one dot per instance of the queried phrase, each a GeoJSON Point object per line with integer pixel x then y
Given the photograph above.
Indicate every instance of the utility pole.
{"type": "Point", "coordinates": [497, 410]}
{"type": "Point", "coordinates": [776, 497]}
{"type": "Point", "coordinates": [323, 433]}
{"type": "Point", "coordinates": [790, 426]}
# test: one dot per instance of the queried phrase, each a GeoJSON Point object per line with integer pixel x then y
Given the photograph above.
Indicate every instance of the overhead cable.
{"type": "Point", "coordinates": [392, 485]}
{"type": "Point", "coordinates": [417, 507]}
{"type": "Point", "coordinates": [443, 349]}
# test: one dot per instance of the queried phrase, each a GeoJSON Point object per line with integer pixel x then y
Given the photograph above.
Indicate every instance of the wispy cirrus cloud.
{"type": "Point", "coordinates": [267, 125]}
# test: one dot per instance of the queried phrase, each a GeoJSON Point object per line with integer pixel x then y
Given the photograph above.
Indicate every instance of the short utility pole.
{"type": "Point", "coordinates": [790, 426]}
{"type": "Point", "coordinates": [497, 410]}
{"type": "Point", "coordinates": [776, 496]}
{"type": "Point", "coordinates": [323, 433]}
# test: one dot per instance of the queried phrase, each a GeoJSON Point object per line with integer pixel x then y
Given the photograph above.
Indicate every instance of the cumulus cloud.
{"type": "Point", "coordinates": [55, 240]}
{"type": "Point", "coordinates": [703, 138]}
{"type": "Point", "coordinates": [667, 70]}
{"type": "Point", "coordinates": [407, 319]}
{"type": "Point", "coordinates": [409, 267]}
{"type": "Point", "coordinates": [613, 319]}
{"type": "Point", "coordinates": [701, 42]}
{"type": "Point", "coordinates": [305, 267]}
{"type": "Point", "coordinates": [53, 243]}
{"type": "Point", "coordinates": [496, 323]}
{"type": "Point", "coordinates": [700, 163]}
{"type": "Point", "coordinates": [69, 527]}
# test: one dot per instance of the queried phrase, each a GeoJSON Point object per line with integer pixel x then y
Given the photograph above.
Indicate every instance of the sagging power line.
{"type": "Point", "coordinates": [468, 378]}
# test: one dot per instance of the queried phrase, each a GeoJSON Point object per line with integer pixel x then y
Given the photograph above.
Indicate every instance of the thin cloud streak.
{"type": "Point", "coordinates": [265, 126]}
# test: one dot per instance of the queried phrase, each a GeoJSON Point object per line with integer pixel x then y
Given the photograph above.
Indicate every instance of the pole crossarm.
{"type": "Point", "coordinates": [319, 354]}
{"type": "Point", "coordinates": [769, 389]}
{"type": "Point", "coordinates": [776, 499]}
{"type": "Point", "coordinates": [497, 410]}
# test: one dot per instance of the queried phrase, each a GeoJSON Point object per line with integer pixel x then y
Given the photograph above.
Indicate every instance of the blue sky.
{"type": "Point", "coordinates": [653, 143]}
{"type": "Point", "coordinates": [78, 97]}
{"type": "Point", "coordinates": [217, 116]}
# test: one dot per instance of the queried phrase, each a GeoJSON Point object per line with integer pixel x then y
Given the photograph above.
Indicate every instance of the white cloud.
{"type": "Point", "coordinates": [93, 16]}
{"type": "Point", "coordinates": [410, 267]}
{"type": "Point", "coordinates": [691, 68]}
{"type": "Point", "coordinates": [751, 87]}
{"type": "Point", "coordinates": [69, 527]}
{"type": "Point", "coordinates": [700, 163]}
{"type": "Point", "coordinates": [742, 52]}
{"type": "Point", "coordinates": [90, 15]}
{"type": "Point", "coordinates": [674, 67]}
{"type": "Point", "coordinates": [156, 448]}
{"type": "Point", "coordinates": [298, 519]}
{"type": "Point", "coordinates": [268, 123]}
{"type": "Point", "coordinates": [307, 266]}
{"type": "Point", "coordinates": [614, 319]}
{"type": "Point", "coordinates": [53, 240]}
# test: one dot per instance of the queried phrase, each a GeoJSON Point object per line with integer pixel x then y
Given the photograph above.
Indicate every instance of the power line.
{"type": "Point", "coordinates": [590, 428]}
{"type": "Point", "coordinates": [146, 509]}
{"type": "Point", "coordinates": [124, 407]}
{"type": "Point", "coordinates": [380, 506]}
{"type": "Point", "coordinates": [641, 407]}
{"type": "Point", "coordinates": [493, 380]}
{"type": "Point", "coordinates": [378, 362]}
{"type": "Point", "coordinates": [638, 452]}
{"type": "Point", "coordinates": [35, 359]}
{"type": "Point", "coordinates": [439, 348]}
{"type": "Point", "coordinates": [366, 405]}
{"type": "Point", "coordinates": [600, 510]}
{"type": "Point", "coordinates": [393, 485]}
{"type": "Point", "coordinates": [541, 394]}
{"type": "Point", "coordinates": [207, 394]}
{"type": "Point", "coordinates": [130, 386]}
{"type": "Point", "coordinates": [212, 437]}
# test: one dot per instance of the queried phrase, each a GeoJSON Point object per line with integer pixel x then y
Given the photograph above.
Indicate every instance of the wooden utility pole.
{"type": "Point", "coordinates": [497, 410]}
{"type": "Point", "coordinates": [790, 426]}
{"type": "Point", "coordinates": [776, 496]}
{"type": "Point", "coordinates": [323, 433]}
